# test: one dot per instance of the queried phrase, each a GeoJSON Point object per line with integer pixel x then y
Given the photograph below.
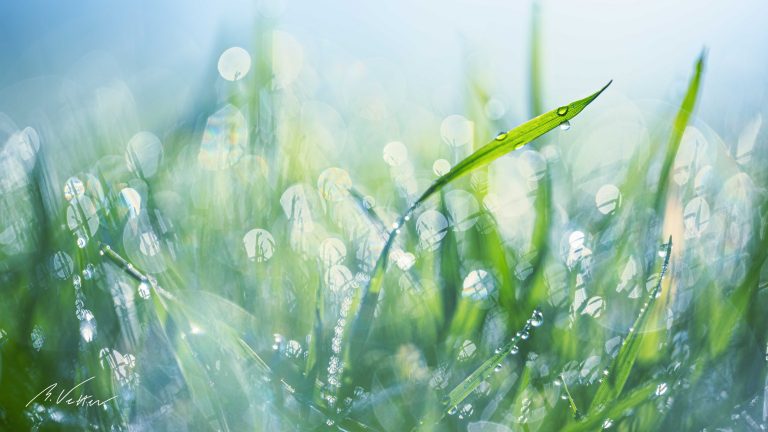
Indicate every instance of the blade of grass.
{"type": "Point", "coordinates": [470, 383]}
{"type": "Point", "coordinates": [621, 366]}
{"type": "Point", "coordinates": [501, 145]}
{"type": "Point", "coordinates": [678, 129]}
{"type": "Point", "coordinates": [594, 421]}
{"type": "Point", "coordinates": [535, 97]}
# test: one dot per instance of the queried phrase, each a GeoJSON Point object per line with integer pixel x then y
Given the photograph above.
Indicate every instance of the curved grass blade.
{"type": "Point", "coordinates": [619, 370]}
{"type": "Point", "coordinates": [678, 128]}
{"type": "Point", "coordinates": [633, 399]}
{"type": "Point", "coordinates": [501, 145]}
{"type": "Point", "coordinates": [470, 383]}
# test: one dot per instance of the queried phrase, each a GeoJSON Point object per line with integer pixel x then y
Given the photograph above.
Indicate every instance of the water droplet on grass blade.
{"type": "Point", "coordinates": [514, 349]}
{"type": "Point", "coordinates": [144, 290]}
{"type": "Point", "coordinates": [563, 110]}
{"type": "Point", "coordinates": [501, 136]}
{"type": "Point", "coordinates": [537, 319]}
{"type": "Point", "coordinates": [565, 125]}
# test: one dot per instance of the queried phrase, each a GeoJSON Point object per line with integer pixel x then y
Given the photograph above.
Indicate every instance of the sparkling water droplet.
{"type": "Point", "coordinates": [498, 367]}
{"type": "Point", "coordinates": [537, 319]}
{"type": "Point", "coordinates": [330, 422]}
{"type": "Point", "coordinates": [565, 125]}
{"type": "Point", "coordinates": [501, 136]}
{"type": "Point", "coordinates": [524, 335]}
{"type": "Point", "coordinates": [514, 349]}
{"type": "Point", "coordinates": [80, 242]}
{"type": "Point", "coordinates": [663, 250]}
{"type": "Point", "coordinates": [87, 330]}
{"type": "Point", "coordinates": [563, 110]}
{"type": "Point", "coordinates": [497, 350]}
{"type": "Point", "coordinates": [452, 411]}
{"type": "Point", "coordinates": [467, 410]}
{"type": "Point", "coordinates": [558, 382]}
{"type": "Point", "coordinates": [607, 423]}
{"type": "Point", "coordinates": [89, 271]}
{"type": "Point", "coordinates": [144, 290]}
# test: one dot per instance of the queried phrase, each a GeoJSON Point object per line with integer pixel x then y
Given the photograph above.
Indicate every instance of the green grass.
{"type": "Point", "coordinates": [543, 313]}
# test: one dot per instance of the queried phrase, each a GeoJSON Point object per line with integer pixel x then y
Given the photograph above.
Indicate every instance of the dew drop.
{"type": "Point", "coordinates": [558, 382]}
{"type": "Point", "coordinates": [563, 110]}
{"type": "Point", "coordinates": [607, 423]}
{"type": "Point", "coordinates": [537, 319]}
{"type": "Point", "coordinates": [89, 271]}
{"type": "Point", "coordinates": [87, 330]}
{"type": "Point", "coordinates": [144, 290]}
{"type": "Point", "coordinates": [501, 136]}
{"type": "Point", "coordinates": [452, 411]}
{"type": "Point", "coordinates": [498, 367]}
{"type": "Point", "coordinates": [524, 335]}
{"type": "Point", "coordinates": [514, 350]}
{"type": "Point", "coordinates": [565, 125]}
{"type": "Point", "coordinates": [80, 242]}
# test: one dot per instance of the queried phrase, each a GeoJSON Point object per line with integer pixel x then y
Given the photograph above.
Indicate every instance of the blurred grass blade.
{"type": "Point", "coordinates": [470, 383]}
{"type": "Point", "coordinates": [595, 420]}
{"type": "Point", "coordinates": [619, 370]}
{"type": "Point", "coordinates": [501, 145]}
{"type": "Point", "coordinates": [535, 106]}
{"type": "Point", "coordinates": [678, 129]}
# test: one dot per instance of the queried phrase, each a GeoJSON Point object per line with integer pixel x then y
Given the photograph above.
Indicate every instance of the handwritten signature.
{"type": "Point", "coordinates": [82, 400]}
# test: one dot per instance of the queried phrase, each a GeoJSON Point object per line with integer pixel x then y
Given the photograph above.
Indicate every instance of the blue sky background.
{"type": "Point", "coordinates": [167, 50]}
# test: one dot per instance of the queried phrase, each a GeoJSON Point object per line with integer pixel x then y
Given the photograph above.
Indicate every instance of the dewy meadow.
{"type": "Point", "coordinates": [317, 243]}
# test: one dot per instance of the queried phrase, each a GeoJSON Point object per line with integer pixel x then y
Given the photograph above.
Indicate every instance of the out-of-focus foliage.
{"type": "Point", "coordinates": [209, 274]}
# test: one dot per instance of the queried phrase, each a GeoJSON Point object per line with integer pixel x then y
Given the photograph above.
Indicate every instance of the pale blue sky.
{"type": "Point", "coordinates": [647, 47]}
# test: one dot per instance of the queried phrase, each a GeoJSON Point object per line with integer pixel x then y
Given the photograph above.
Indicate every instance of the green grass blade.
{"type": "Point", "coordinates": [594, 421]}
{"type": "Point", "coordinates": [678, 128]}
{"type": "Point", "coordinates": [535, 106]}
{"type": "Point", "coordinates": [619, 370]}
{"type": "Point", "coordinates": [470, 383]}
{"type": "Point", "coordinates": [506, 142]}
{"type": "Point", "coordinates": [501, 145]}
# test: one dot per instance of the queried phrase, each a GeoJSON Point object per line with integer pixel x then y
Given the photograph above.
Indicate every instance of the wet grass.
{"type": "Point", "coordinates": [514, 291]}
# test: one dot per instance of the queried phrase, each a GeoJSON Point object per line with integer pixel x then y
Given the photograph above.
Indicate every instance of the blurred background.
{"type": "Point", "coordinates": [194, 196]}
